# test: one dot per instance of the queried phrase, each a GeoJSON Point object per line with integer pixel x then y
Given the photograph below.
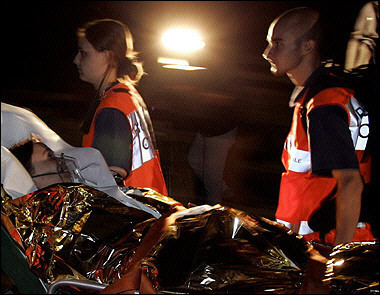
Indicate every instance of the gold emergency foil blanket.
{"type": "Point", "coordinates": [151, 198]}
{"type": "Point", "coordinates": [228, 251]}
{"type": "Point", "coordinates": [76, 231]}
{"type": "Point", "coordinates": [353, 268]}
{"type": "Point", "coordinates": [220, 251]}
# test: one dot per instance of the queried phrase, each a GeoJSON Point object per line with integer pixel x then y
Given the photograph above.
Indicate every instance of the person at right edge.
{"type": "Point", "coordinates": [324, 155]}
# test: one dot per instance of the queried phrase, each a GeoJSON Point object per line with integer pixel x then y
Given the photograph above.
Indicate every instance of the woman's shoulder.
{"type": "Point", "coordinates": [122, 88]}
{"type": "Point", "coordinates": [118, 97]}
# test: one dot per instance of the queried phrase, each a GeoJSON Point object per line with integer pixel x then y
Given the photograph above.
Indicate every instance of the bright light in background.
{"type": "Point", "coordinates": [181, 67]}
{"type": "Point", "coordinates": [184, 40]}
{"type": "Point", "coordinates": [177, 64]}
{"type": "Point", "coordinates": [172, 61]}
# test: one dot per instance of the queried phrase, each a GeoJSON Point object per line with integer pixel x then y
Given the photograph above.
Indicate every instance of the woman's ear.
{"type": "Point", "coordinates": [110, 58]}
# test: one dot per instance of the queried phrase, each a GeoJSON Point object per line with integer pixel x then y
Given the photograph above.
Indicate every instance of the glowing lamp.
{"type": "Point", "coordinates": [183, 40]}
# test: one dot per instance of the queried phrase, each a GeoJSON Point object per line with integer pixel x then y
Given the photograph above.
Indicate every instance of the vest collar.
{"type": "Point", "coordinates": [315, 77]}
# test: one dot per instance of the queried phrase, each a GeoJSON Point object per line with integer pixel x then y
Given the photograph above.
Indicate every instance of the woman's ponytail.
{"type": "Point", "coordinates": [129, 69]}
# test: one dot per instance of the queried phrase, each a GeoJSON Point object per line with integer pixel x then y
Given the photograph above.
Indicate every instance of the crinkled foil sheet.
{"type": "Point", "coordinates": [76, 232]}
{"type": "Point", "coordinates": [79, 232]}
{"type": "Point", "coordinates": [353, 268]}
{"type": "Point", "coordinates": [151, 198]}
{"type": "Point", "coordinates": [228, 251]}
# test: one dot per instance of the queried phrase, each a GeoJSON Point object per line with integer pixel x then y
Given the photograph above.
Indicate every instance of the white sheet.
{"type": "Point", "coordinates": [18, 124]}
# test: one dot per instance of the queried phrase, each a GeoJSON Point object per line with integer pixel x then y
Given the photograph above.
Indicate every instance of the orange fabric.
{"type": "Point", "coordinates": [149, 175]}
{"type": "Point", "coordinates": [301, 192]}
{"type": "Point", "coordinates": [341, 97]}
{"type": "Point", "coordinates": [110, 99]}
{"type": "Point", "coordinates": [362, 234]}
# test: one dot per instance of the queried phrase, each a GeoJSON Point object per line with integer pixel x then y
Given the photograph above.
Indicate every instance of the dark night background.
{"type": "Point", "coordinates": [39, 43]}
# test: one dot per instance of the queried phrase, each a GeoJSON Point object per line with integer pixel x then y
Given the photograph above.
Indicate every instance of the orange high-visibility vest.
{"type": "Point", "coordinates": [302, 192]}
{"type": "Point", "coordinates": [145, 169]}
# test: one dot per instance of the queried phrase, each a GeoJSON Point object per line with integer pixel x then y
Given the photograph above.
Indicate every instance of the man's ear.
{"type": "Point", "coordinates": [308, 46]}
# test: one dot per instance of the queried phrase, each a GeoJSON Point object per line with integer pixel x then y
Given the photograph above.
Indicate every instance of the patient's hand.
{"type": "Point", "coordinates": [119, 174]}
{"type": "Point", "coordinates": [121, 171]}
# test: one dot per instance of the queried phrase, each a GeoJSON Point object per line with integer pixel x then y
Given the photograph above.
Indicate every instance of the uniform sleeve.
{"type": "Point", "coordinates": [331, 145]}
{"type": "Point", "coordinates": [112, 137]}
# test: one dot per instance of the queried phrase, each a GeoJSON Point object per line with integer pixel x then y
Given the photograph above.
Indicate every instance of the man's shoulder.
{"type": "Point", "coordinates": [327, 87]}
{"type": "Point", "coordinates": [331, 96]}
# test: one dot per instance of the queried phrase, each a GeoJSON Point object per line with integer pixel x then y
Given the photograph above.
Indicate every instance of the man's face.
{"type": "Point", "coordinates": [47, 169]}
{"type": "Point", "coordinates": [283, 51]}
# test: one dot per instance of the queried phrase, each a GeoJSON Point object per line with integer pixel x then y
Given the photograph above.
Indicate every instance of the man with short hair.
{"type": "Point", "coordinates": [322, 158]}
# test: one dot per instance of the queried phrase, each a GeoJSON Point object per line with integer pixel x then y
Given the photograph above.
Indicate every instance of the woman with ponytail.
{"type": "Point", "coordinates": [117, 122]}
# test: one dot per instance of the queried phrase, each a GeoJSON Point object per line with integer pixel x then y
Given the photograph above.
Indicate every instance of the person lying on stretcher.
{"type": "Point", "coordinates": [85, 165]}
{"type": "Point", "coordinates": [45, 167]}
{"type": "Point", "coordinates": [46, 164]}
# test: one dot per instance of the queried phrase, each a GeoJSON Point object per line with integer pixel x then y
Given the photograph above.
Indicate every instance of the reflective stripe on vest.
{"type": "Point", "coordinates": [141, 141]}
{"type": "Point", "coordinates": [300, 160]}
{"type": "Point", "coordinates": [359, 124]}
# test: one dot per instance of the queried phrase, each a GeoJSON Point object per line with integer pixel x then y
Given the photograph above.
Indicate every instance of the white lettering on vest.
{"type": "Point", "coordinates": [359, 124]}
{"type": "Point", "coordinates": [300, 161]}
{"type": "Point", "coordinates": [142, 151]}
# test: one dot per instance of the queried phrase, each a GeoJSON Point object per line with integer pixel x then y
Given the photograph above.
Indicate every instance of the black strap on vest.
{"type": "Point", "coordinates": [317, 82]}
{"type": "Point", "coordinates": [121, 90]}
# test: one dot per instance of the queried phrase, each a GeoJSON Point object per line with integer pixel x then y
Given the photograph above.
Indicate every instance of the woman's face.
{"type": "Point", "coordinates": [46, 167]}
{"type": "Point", "coordinates": [91, 63]}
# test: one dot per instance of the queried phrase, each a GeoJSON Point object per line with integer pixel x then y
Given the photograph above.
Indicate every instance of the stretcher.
{"type": "Point", "coordinates": [17, 125]}
{"type": "Point", "coordinates": [203, 249]}
{"type": "Point", "coordinates": [199, 248]}
{"type": "Point", "coordinates": [15, 266]}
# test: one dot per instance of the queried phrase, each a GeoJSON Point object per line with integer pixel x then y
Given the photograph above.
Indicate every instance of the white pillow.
{"type": "Point", "coordinates": [14, 177]}
{"type": "Point", "coordinates": [18, 124]}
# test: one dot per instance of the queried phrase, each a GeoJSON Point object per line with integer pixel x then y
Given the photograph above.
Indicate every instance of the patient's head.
{"type": "Point", "coordinates": [41, 163]}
